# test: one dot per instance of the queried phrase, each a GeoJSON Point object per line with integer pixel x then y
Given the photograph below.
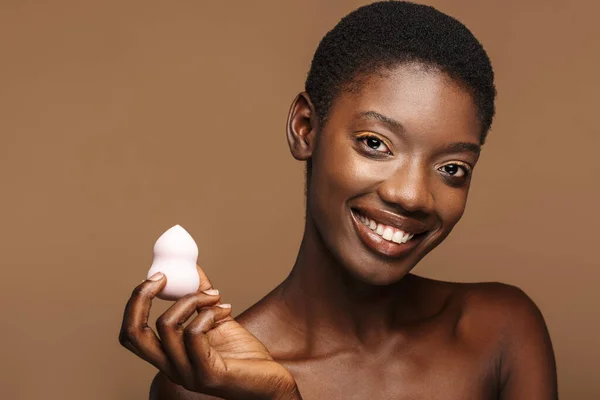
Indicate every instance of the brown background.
{"type": "Point", "coordinates": [119, 119]}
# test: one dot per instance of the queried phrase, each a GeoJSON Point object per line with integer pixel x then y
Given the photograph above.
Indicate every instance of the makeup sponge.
{"type": "Point", "coordinates": [175, 255]}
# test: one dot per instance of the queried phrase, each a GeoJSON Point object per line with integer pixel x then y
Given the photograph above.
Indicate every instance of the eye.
{"type": "Point", "coordinates": [374, 143]}
{"type": "Point", "coordinates": [455, 170]}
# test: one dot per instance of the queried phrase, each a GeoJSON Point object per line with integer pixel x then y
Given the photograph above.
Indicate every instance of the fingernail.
{"type": "Point", "coordinates": [156, 277]}
{"type": "Point", "coordinates": [224, 305]}
{"type": "Point", "coordinates": [211, 292]}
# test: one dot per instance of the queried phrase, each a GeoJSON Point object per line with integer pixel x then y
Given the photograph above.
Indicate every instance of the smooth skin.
{"type": "Point", "coordinates": [352, 322]}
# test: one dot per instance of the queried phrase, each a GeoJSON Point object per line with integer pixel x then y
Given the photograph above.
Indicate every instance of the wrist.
{"type": "Point", "coordinates": [287, 389]}
{"type": "Point", "coordinates": [291, 393]}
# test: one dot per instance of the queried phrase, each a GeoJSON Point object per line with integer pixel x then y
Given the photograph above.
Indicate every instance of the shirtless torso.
{"type": "Point", "coordinates": [471, 341]}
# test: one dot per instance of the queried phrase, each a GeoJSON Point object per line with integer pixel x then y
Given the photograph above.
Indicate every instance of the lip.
{"type": "Point", "coordinates": [381, 246]}
{"type": "Point", "coordinates": [391, 219]}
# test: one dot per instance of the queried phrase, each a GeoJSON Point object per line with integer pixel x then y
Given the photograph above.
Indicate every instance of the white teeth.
{"type": "Point", "coordinates": [388, 233]}
{"type": "Point", "coordinates": [397, 238]}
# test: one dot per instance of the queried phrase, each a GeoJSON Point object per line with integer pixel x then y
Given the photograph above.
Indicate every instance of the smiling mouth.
{"type": "Point", "coordinates": [385, 239]}
{"type": "Point", "coordinates": [386, 232]}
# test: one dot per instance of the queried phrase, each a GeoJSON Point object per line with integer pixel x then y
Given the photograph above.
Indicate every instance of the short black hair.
{"type": "Point", "coordinates": [388, 33]}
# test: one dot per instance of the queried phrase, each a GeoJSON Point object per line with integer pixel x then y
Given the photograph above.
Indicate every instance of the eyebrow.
{"type": "Point", "coordinates": [465, 146]}
{"type": "Point", "coordinates": [398, 127]}
{"type": "Point", "coordinates": [391, 123]}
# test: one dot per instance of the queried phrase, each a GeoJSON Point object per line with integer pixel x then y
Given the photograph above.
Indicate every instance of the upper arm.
{"type": "Point", "coordinates": [528, 366]}
{"type": "Point", "coordinates": [163, 389]}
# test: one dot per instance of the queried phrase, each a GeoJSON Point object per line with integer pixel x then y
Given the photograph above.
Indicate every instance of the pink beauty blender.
{"type": "Point", "coordinates": [175, 255]}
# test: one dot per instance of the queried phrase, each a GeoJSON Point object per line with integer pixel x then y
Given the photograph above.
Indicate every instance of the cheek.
{"type": "Point", "coordinates": [450, 205]}
{"type": "Point", "coordinates": [336, 168]}
{"type": "Point", "coordinates": [337, 177]}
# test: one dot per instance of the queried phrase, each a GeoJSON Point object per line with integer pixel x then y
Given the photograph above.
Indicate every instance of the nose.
{"type": "Point", "coordinates": [409, 188]}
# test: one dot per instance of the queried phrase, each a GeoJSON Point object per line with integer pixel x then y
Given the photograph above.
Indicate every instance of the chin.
{"type": "Point", "coordinates": [371, 268]}
{"type": "Point", "coordinates": [372, 278]}
{"type": "Point", "coordinates": [363, 269]}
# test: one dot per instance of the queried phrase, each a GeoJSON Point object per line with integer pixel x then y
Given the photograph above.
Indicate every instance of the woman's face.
{"type": "Point", "coordinates": [391, 170]}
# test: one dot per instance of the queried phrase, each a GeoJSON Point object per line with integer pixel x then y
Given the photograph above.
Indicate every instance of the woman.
{"type": "Point", "coordinates": [398, 102]}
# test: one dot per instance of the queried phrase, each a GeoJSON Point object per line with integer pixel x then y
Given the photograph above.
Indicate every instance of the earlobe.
{"type": "Point", "coordinates": [301, 127]}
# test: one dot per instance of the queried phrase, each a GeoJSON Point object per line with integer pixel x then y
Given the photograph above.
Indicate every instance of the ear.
{"type": "Point", "coordinates": [302, 127]}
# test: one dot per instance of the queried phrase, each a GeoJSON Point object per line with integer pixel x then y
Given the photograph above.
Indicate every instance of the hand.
{"type": "Point", "coordinates": [213, 354]}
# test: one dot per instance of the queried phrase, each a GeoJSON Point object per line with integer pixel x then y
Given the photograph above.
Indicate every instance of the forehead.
{"type": "Point", "coordinates": [426, 101]}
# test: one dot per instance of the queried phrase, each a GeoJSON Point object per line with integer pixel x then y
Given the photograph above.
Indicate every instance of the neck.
{"type": "Point", "coordinates": [335, 310]}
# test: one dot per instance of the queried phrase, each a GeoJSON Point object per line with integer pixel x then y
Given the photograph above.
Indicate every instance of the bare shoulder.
{"type": "Point", "coordinates": [510, 324]}
{"type": "Point", "coordinates": [505, 308]}
{"type": "Point", "coordinates": [499, 303]}
{"type": "Point", "coordinates": [270, 322]}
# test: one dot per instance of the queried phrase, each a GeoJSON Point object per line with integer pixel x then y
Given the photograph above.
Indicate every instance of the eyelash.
{"type": "Point", "coordinates": [465, 168]}
{"type": "Point", "coordinates": [363, 137]}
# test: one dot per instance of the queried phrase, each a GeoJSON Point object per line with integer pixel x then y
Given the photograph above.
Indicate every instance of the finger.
{"type": "Point", "coordinates": [204, 281]}
{"type": "Point", "coordinates": [170, 329]}
{"type": "Point", "coordinates": [135, 334]}
{"type": "Point", "coordinates": [206, 361]}
{"type": "Point", "coordinates": [137, 310]}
